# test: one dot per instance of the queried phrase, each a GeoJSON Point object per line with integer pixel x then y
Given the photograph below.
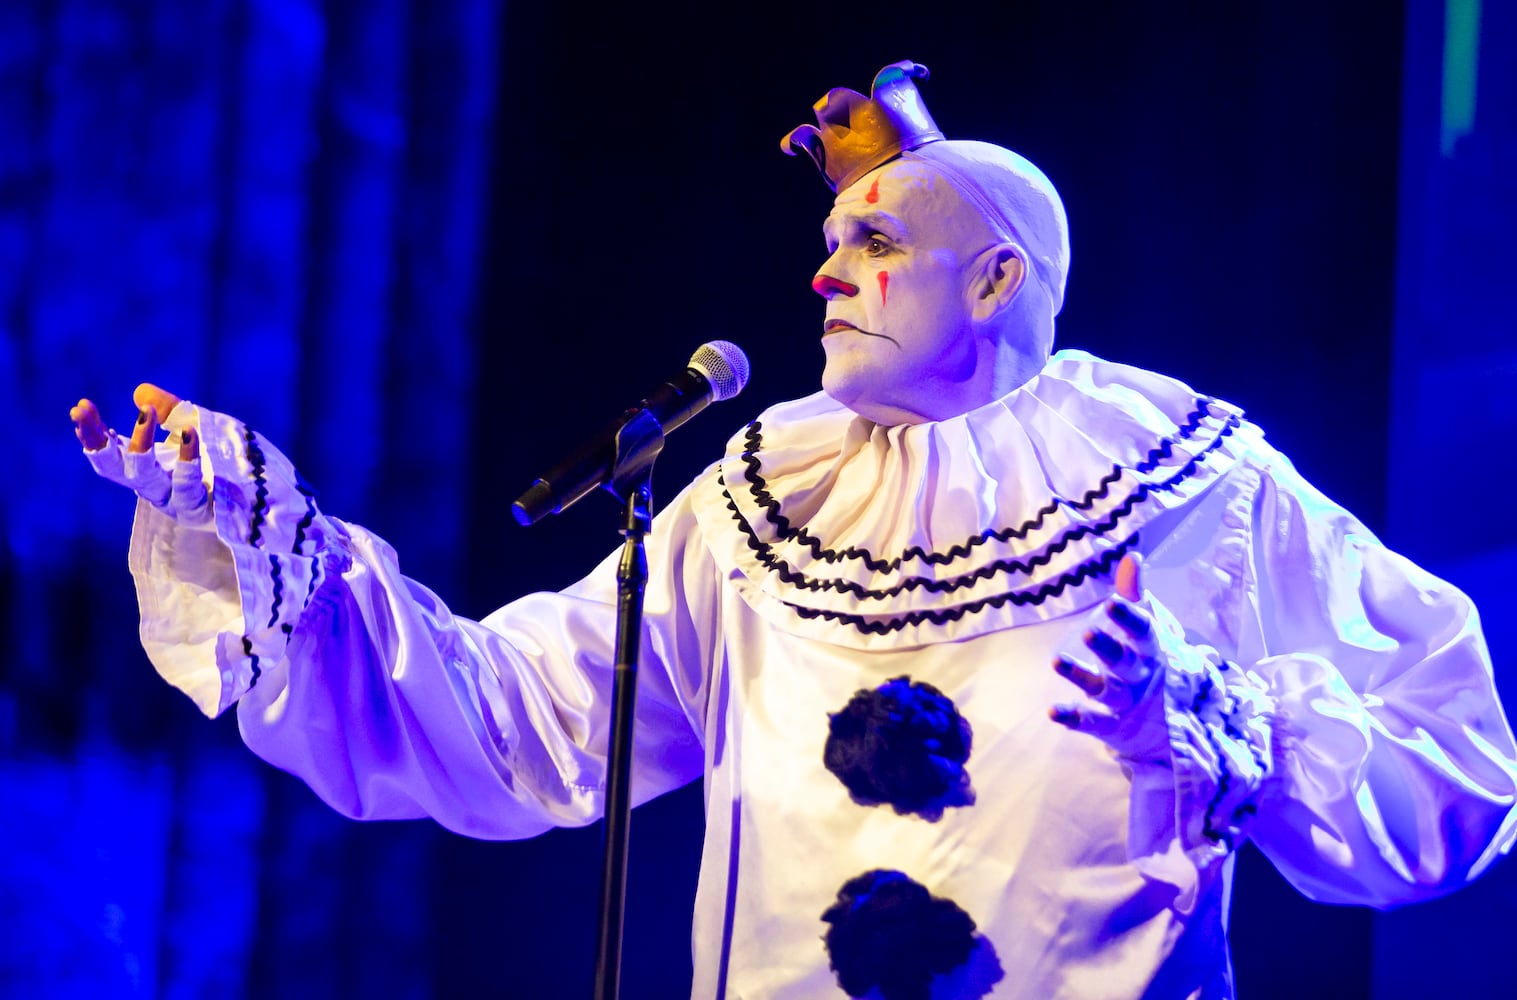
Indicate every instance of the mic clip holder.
{"type": "Point", "coordinates": [639, 441]}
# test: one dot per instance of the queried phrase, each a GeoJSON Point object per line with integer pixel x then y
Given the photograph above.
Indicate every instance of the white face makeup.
{"type": "Point", "coordinates": [899, 334]}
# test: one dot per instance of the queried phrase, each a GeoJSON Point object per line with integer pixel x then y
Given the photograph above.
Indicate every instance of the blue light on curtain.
{"type": "Point", "coordinates": [271, 207]}
{"type": "Point", "coordinates": [1453, 418]}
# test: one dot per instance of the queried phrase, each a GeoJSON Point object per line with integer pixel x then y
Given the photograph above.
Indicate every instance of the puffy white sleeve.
{"type": "Point", "coordinates": [1322, 696]}
{"type": "Point", "coordinates": [1394, 770]}
{"type": "Point", "coordinates": [361, 682]}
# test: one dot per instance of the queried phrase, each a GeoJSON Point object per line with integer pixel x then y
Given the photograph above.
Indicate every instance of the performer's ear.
{"type": "Point", "coordinates": [998, 276]}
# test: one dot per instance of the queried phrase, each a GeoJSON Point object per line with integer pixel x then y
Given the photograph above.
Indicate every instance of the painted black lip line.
{"type": "Point", "coordinates": [834, 325]}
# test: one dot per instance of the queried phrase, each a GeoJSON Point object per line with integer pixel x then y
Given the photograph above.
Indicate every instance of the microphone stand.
{"type": "Point", "coordinates": [638, 444]}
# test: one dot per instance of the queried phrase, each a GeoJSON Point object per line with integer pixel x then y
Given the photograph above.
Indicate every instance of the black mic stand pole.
{"type": "Point", "coordinates": [637, 445]}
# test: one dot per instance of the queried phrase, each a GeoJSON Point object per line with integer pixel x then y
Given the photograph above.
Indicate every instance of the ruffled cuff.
{"type": "Point", "coordinates": [1190, 811]}
{"type": "Point", "coordinates": [218, 606]}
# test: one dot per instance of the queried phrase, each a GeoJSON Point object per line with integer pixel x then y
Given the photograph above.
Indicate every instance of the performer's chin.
{"type": "Point", "coordinates": [845, 380]}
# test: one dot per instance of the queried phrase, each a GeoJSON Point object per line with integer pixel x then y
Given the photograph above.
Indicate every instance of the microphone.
{"type": "Point", "coordinates": [718, 370]}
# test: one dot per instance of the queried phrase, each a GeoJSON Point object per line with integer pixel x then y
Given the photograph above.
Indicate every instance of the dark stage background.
{"type": "Point", "coordinates": [426, 246]}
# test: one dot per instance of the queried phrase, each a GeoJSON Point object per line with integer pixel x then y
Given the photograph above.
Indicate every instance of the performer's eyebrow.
{"type": "Point", "coordinates": [881, 222]}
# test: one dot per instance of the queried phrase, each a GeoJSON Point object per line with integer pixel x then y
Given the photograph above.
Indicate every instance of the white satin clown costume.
{"type": "Point", "coordinates": [1334, 703]}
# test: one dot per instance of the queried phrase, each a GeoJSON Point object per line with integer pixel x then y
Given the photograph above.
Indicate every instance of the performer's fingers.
{"type": "Point", "coordinates": [1130, 577]}
{"type": "Point", "coordinates": [88, 427]}
{"type": "Point", "coordinates": [190, 500]}
{"type": "Point", "coordinates": [145, 431]}
{"type": "Point", "coordinates": [161, 400]}
{"type": "Point", "coordinates": [147, 477]}
{"type": "Point", "coordinates": [1108, 650]}
{"type": "Point", "coordinates": [1085, 719]}
{"type": "Point", "coordinates": [143, 473]}
{"type": "Point", "coordinates": [1129, 665]}
{"type": "Point", "coordinates": [1065, 715]}
{"type": "Point", "coordinates": [189, 446]}
{"type": "Point", "coordinates": [1086, 680]}
{"type": "Point", "coordinates": [1134, 621]}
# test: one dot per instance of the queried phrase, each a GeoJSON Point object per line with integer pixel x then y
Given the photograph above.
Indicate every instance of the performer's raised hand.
{"type": "Point", "coordinates": [133, 462]}
{"type": "Point", "coordinates": [1123, 674]}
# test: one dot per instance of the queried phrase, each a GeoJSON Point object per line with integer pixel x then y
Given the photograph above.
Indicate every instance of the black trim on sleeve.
{"type": "Point", "coordinates": [260, 486]}
{"type": "Point", "coordinates": [247, 650]}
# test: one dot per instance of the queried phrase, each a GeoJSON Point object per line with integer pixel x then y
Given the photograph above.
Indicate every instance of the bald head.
{"type": "Point", "coordinates": [1017, 201]}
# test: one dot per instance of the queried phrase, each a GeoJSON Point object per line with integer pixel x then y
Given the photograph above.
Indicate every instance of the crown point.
{"type": "Point", "coordinates": [854, 134]}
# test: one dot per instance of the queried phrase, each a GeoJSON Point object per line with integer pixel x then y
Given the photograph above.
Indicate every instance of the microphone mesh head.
{"type": "Point", "coordinates": [724, 365]}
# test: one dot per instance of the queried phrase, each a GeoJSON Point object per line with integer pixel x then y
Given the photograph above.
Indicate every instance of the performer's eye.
{"type": "Point", "coordinates": [875, 245]}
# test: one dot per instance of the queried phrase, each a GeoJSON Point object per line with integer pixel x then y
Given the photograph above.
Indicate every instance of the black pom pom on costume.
{"type": "Point", "coordinates": [903, 744]}
{"type": "Point", "coordinates": [890, 932]}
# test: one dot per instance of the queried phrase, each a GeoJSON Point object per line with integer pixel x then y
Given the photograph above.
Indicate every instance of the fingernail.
{"type": "Point", "coordinates": [1065, 716]}
{"type": "Point", "coordinates": [1062, 666]}
{"type": "Point", "coordinates": [1104, 646]}
{"type": "Point", "coordinates": [1129, 619]}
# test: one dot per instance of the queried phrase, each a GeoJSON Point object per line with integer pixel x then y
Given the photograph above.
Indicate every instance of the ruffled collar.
{"type": "Point", "coordinates": [842, 529]}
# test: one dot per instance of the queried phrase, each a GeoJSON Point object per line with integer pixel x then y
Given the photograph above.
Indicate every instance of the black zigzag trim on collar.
{"type": "Point", "coordinates": [1097, 566]}
{"type": "Point", "coordinates": [763, 551]}
{"type": "Point", "coordinates": [753, 473]}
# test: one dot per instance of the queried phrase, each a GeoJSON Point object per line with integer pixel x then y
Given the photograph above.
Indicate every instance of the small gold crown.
{"type": "Point", "coordinates": [859, 133]}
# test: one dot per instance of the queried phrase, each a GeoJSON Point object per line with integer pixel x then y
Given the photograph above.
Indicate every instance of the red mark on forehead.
{"type": "Point", "coordinates": [874, 192]}
{"type": "Point", "coordinates": [884, 284]}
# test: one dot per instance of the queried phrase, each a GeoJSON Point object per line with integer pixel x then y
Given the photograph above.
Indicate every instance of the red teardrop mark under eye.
{"type": "Point", "coordinates": [884, 284]}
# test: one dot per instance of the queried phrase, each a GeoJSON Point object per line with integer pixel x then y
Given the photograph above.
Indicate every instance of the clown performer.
{"type": "Point", "coordinates": [989, 659]}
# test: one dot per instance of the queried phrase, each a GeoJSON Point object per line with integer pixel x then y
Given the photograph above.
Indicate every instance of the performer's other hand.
{"type": "Point", "coordinates": [1122, 673]}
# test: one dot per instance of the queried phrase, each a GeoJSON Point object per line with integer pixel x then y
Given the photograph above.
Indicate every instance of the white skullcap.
{"type": "Point", "coordinates": [1015, 198]}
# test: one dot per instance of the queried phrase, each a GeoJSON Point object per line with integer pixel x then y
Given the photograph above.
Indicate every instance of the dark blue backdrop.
{"type": "Point", "coordinates": [399, 237]}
